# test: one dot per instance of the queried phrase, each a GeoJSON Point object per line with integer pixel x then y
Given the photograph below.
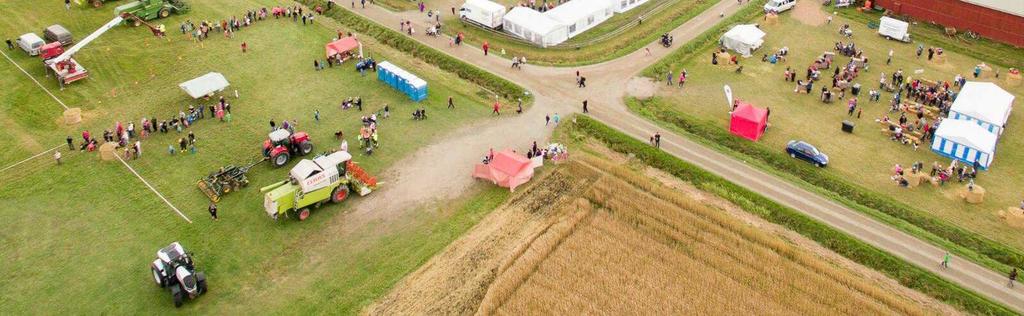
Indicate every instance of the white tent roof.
{"type": "Point", "coordinates": [968, 134]}
{"type": "Point", "coordinates": [532, 20]}
{"type": "Point", "coordinates": [205, 85]}
{"type": "Point", "coordinates": [746, 33]}
{"type": "Point", "coordinates": [575, 10]}
{"type": "Point", "coordinates": [984, 101]}
{"type": "Point", "coordinates": [486, 5]}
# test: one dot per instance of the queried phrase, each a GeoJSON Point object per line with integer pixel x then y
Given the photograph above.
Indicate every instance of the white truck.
{"type": "Point", "coordinates": [778, 6]}
{"type": "Point", "coordinates": [894, 29]}
{"type": "Point", "coordinates": [484, 12]}
{"type": "Point", "coordinates": [30, 43]}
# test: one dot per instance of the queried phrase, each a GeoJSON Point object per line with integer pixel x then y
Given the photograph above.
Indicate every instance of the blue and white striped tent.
{"type": "Point", "coordinates": [983, 103]}
{"type": "Point", "coordinates": [965, 141]}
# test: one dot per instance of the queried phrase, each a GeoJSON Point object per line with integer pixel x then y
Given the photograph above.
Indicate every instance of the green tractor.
{"type": "Point", "coordinates": [148, 10]}
{"type": "Point", "coordinates": [311, 183]}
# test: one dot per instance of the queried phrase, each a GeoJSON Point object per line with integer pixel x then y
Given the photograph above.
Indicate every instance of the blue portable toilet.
{"type": "Point", "coordinates": [404, 81]}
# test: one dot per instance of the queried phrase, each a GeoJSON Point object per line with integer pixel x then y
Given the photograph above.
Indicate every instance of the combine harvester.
{"type": "Point", "coordinates": [326, 178]}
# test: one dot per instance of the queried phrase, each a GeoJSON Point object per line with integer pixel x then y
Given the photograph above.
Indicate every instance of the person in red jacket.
{"type": "Point", "coordinates": [487, 46]}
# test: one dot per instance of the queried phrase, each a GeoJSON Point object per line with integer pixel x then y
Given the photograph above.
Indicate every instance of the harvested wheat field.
{"type": "Point", "coordinates": [596, 237]}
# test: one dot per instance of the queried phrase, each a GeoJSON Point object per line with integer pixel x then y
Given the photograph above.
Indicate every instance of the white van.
{"type": "Point", "coordinates": [484, 12]}
{"type": "Point", "coordinates": [30, 43]}
{"type": "Point", "coordinates": [778, 6]}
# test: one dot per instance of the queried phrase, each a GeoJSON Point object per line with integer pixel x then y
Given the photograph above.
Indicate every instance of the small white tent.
{"type": "Point", "coordinates": [581, 15]}
{"type": "Point", "coordinates": [205, 85]}
{"type": "Point", "coordinates": [484, 12]}
{"type": "Point", "coordinates": [965, 141]}
{"type": "Point", "coordinates": [534, 27]}
{"type": "Point", "coordinates": [743, 39]}
{"type": "Point", "coordinates": [625, 5]}
{"type": "Point", "coordinates": [984, 103]}
{"type": "Point", "coordinates": [894, 29]}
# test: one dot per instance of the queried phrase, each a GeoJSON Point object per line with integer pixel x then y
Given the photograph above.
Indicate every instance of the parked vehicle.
{"type": "Point", "coordinates": [175, 270]}
{"type": "Point", "coordinates": [281, 145]}
{"type": "Point", "coordinates": [326, 178]}
{"type": "Point", "coordinates": [147, 10]}
{"type": "Point", "coordinates": [57, 33]}
{"type": "Point", "coordinates": [30, 43]}
{"type": "Point", "coordinates": [778, 6]}
{"type": "Point", "coordinates": [804, 151]}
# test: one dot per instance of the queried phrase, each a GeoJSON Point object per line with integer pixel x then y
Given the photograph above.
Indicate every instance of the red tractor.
{"type": "Point", "coordinates": [282, 145]}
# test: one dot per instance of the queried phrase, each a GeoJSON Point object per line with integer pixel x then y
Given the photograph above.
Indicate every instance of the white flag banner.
{"type": "Point", "coordinates": [728, 96]}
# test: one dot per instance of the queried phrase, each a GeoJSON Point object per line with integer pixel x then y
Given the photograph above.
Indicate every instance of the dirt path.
{"type": "Point", "coordinates": [607, 82]}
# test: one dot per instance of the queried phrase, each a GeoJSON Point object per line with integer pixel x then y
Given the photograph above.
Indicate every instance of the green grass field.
{"type": "Point", "coordinates": [81, 235]}
{"type": "Point", "coordinates": [865, 157]}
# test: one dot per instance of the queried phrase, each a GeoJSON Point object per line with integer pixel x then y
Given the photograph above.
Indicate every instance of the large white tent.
{"type": "Point", "coordinates": [965, 141]}
{"type": "Point", "coordinates": [535, 27]}
{"type": "Point", "coordinates": [581, 15]}
{"type": "Point", "coordinates": [625, 5]}
{"type": "Point", "coordinates": [205, 85]}
{"type": "Point", "coordinates": [743, 39]}
{"type": "Point", "coordinates": [984, 103]}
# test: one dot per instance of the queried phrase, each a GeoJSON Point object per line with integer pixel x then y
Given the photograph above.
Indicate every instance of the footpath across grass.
{"type": "Point", "coordinates": [907, 274]}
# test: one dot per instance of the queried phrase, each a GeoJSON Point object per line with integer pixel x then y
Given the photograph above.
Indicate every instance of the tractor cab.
{"type": "Point", "coordinates": [174, 269]}
{"type": "Point", "coordinates": [51, 50]}
{"type": "Point", "coordinates": [282, 144]}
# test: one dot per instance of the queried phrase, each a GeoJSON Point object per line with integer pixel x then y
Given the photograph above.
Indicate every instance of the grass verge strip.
{"type": "Point", "coordinates": [489, 81]}
{"type": "Point", "coordinates": [907, 274]}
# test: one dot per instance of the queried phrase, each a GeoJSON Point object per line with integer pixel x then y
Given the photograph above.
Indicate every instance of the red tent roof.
{"type": "Point", "coordinates": [507, 169]}
{"type": "Point", "coordinates": [748, 121]}
{"type": "Point", "coordinates": [342, 45]}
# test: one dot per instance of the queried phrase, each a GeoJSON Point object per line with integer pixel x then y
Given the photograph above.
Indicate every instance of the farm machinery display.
{"type": "Point", "coordinates": [282, 144]}
{"type": "Point", "coordinates": [174, 269]}
{"type": "Point", "coordinates": [148, 10]}
{"type": "Point", "coordinates": [326, 178]}
{"type": "Point", "coordinates": [225, 180]}
{"type": "Point", "coordinates": [61, 63]}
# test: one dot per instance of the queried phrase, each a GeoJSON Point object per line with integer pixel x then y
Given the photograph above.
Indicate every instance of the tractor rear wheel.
{"type": "Point", "coordinates": [305, 148]}
{"type": "Point", "coordinates": [280, 159]}
{"type": "Point", "coordinates": [303, 214]}
{"type": "Point", "coordinates": [201, 282]}
{"type": "Point", "coordinates": [165, 13]}
{"type": "Point", "coordinates": [339, 194]}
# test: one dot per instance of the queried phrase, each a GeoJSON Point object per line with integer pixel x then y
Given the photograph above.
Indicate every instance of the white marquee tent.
{"type": "Point", "coordinates": [535, 27]}
{"type": "Point", "coordinates": [581, 15]}
{"type": "Point", "coordinates": [965, 141]}
{"type": "Point", "coordinates": [984, 103]}
{"type": "Point", "coordinates": [743, 39]}
{"type": "Point", "coordinates": [205, 85]}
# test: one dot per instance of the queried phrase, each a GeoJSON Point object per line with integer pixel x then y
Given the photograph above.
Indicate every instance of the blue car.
{"type": "Point", "coordinates": [805, 151]}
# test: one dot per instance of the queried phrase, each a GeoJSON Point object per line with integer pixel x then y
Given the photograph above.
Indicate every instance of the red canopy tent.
{"type": "Point", "coordinates": [748, 121]}
{"type": "Point", "coordinates": [507, 169]}
{"type": "Point", "coordinates": [342, 46]}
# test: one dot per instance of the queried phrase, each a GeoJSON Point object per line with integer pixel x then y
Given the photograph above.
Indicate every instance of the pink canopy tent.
{"type": "Point", "coordinates": [342, 46]}
{"type": "Point", "coordinates": [748, 121]}
{"type": "Point", "coordinates": [507, 169]}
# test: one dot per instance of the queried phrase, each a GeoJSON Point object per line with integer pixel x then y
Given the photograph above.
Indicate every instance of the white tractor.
{"type": "Point", "coordinates": [174, 269]}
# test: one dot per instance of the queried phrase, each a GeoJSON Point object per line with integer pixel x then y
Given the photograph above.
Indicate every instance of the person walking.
{"type": "Point", "coordinates": [497, 108]}
{"type": "Point", "coordinates": [556, 119]}
{"type": "Point", "coordinates": [67, 5]}
{"type": "Point", "coordinates": [920, 49]}
{"type": "Point", "coordinates": [1013, 277]}
{"type": "Point", "coordinates": [316, 115]}
{"type": "Point", "coordinates": [451, 103]}
{"type": "Point", "coordinates": [486, 47]}
{"type": "Point", "coordinates": [668, 77]}
{"type": "Point", "coordinates": [245, 47]}
{"type": "Point", "coordinates": [657, 139]}
{"type": "Point", "coordinates": [547, 119]}
{"type": "Point", "coordinates": [71, 143]}
{"type": "Point", "coordinates": [585, 109]}
{"type": "Point", "coordinates": [10, 45]}
{"type": "Point", "coordinates": [945, 260]}
{"type": "Point", "coordinates": [889, 60]}
{"type": "Point", "coordinates": [213, 210]}
{"type": "Point", "coordinates": [56, 156]}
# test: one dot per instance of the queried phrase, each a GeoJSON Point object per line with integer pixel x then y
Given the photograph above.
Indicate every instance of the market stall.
{"type": "Point", "coordinates": [205, 85]}
{"type": "Point", "coordinates": [535, 27]}
{"type": "Point", "coordinates": [984, 103]}
{"type": "Point", "coordinates": [743, 39]}
{"type": "Point", "coordinates": [748, 121]}
{"type": "Point", "coordinates": [965, 141]}
{"type": "Point", "coordinates": [344, 48]}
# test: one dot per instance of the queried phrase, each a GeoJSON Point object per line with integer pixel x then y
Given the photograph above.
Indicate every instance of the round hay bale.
{"type": "Point", "coordinates": [72, 116]}
{"type": "Point", "coordinates": [771, 19]}
{"type": "Point", "coordinates": [976, 196]}
{"type": "Point", "coordinates": [723, 58]}
{"type": "Point", "coordinates": [107, 151]}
